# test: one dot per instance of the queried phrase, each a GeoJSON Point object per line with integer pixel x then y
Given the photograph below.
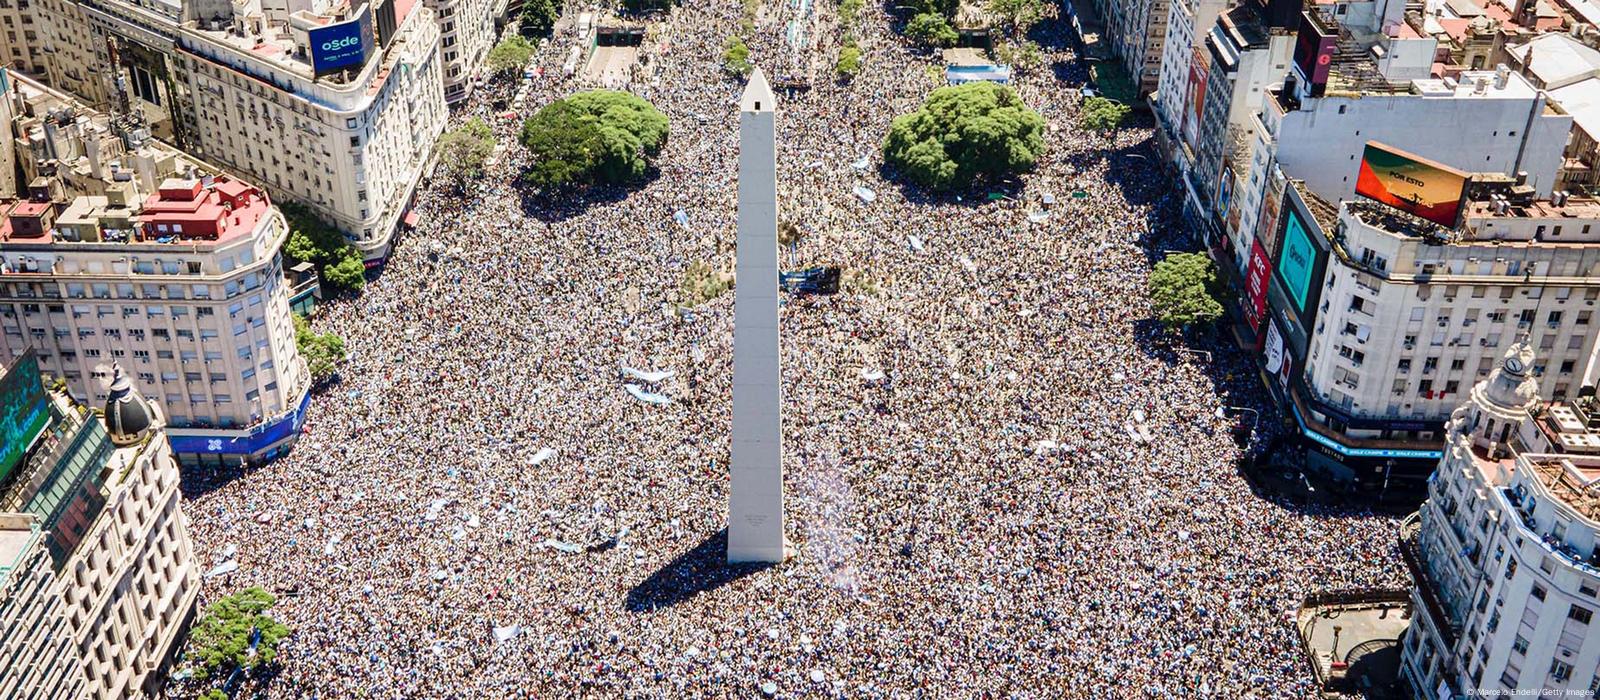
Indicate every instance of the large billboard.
{"type": "Point", "coordinates": [1298, 260]}
{"type": "Point", "coordinates": [340, 45]}
{"type": "Point", "coordinates": [1313, 54]}
{"type": "Point", "coordinates": [24, 410]}
{"type": "Point", "coordinates": [1411, 183]}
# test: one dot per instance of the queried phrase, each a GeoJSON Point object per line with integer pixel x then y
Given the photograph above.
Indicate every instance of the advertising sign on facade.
{"type": "Point", "coordinates": [1224, 190]}
{"type": "Point", "coordinates": [1313, 54]}
{"type": "Point", "coordinates": [341, 45]}
{"type": "Point", "coordinates": [24, 410]}
{"type": "Point", "coordinates": [1298, 259]}
{"type": "Point", "coordinates": [1277, 356]}
{"type": "Point", "coordinates": [1271, 202]}
{"type": "Point", "coordinates": [1256, 285]}
{"type": "Point", "coordinates": [1411, 183]}
{"type": "Point", "coordinates": [1199, 67]}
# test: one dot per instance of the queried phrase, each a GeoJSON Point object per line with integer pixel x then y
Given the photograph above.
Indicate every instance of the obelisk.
{"type": "Point", "coordinates": [755, 496]}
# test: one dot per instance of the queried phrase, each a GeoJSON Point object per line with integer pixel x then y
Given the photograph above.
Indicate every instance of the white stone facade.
{"type": "Point", "coordinates": [1408, 326]}
{"type": "Point", "coordinates": [203, 328]}
{"type": "Point", "coordinates": [466, 33]}
{"type": "Point", "coordinates": [1504, 555]}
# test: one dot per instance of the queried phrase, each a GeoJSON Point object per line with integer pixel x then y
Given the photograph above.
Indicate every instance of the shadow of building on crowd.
{"type": "Point", "coordinates": [696, 571]}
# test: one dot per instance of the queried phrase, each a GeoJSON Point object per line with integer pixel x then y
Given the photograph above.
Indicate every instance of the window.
{"type": "Point", "coordinates": [1404, 365]}
{"type": "Point", "coordinates": [1538, 591]}
{"type": "Point", "coordinates": [1560, 670]}
{"type": "Point", "coordinates": [1581, 614]}
{"type": "Point", "coordinates": [1519, 645]}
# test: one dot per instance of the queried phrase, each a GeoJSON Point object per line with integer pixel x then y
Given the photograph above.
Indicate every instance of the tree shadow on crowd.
{"type": "Point", "coordinates": [977, 195]}
{"type": "Point", "coordinates": [696, 571]}
{"type": "Point", "coordinates": [553, 207]}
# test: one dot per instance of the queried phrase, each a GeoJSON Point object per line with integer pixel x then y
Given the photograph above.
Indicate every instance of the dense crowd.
{"type": "Point", "coordinates": [481, 508]}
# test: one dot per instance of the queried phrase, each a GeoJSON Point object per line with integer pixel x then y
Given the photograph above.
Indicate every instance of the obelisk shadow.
{"type": "Point", "coordinates": [696, 571]}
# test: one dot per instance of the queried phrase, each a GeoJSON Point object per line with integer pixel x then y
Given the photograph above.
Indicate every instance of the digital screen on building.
{"type": "Point", "coordinates": [1313, 54]}
{"type": "Point", "coordinates": [341, 45]}
{"type": "Point", "coordinates": [1411, 183]}
{"type": "Point", "coordinates": [1298, 259]}
{"type": "Point", "coordinates": [24, 410]}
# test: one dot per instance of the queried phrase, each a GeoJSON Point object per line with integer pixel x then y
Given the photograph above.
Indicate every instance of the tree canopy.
{"type": "Point", "coordinates": [963, 134]}
{"type": "Point", "coordinates": [539, 17]}
{"type": "Point", "coordinates": [849, 61]}
{"type": "Point", "coordinates": [931, 28]}
{"type": "Point", "coordinates": [1181, 290]}
{"type": "Point", "coordinates": [1016, 16]}
{"type": "Point", "coordinates": [321, 351]}
{"type": "Point", "coordinates": [220, 640]}
{"type": "Point", "coordinates": [1101, 114]}
{"type": "Point", "coordinates": [316, 241]}
{"type": "Point", "coordinates": [464, 149]}
{"type": "Point", "coordinates": [510, 55]}
{"type": "Point", "coordinates": [736, 57]}
{"type": "Point", "coordinates": [600, 136]}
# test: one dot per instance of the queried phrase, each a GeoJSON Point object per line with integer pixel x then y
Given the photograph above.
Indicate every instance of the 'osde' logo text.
{"type": "Point", "coordinates": [341, 43]}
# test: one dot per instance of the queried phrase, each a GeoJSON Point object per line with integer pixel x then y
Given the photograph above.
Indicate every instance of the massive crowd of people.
{"type": "Point", "coordinates": [481, 508]}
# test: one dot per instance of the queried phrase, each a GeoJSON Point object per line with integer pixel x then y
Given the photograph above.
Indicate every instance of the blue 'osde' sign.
{"type": "Point", "coordinates": [342, 45]}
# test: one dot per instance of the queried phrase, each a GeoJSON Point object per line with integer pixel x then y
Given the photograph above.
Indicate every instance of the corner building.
{"type": "Point", "coordinates": [1504, 552]}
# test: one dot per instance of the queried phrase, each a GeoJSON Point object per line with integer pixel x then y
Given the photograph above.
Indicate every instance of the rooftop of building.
{"type": "Point", "coordinates": [17, 535]}
{"type": "Point", "coordinates": [283, 44]}
{"type": "Point", "coordinates": [1574, 479]}
{"type": "Point", "coordinates": [183, 211]}
{"type": "Point", "coordinates": [1326, 213]}
{"type": "Point", "coordinates": [1558, 59]}
{"type": "Point", "coordinates": [1572, 426]}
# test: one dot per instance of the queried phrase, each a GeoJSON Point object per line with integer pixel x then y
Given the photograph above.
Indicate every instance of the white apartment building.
{"type": "Point", "coordinates": [1503, 550]}
{"type": "Point", "coordinates": [466, 33]}
{"type": "Point", "coordinates": [351, 145]}
{"type": "Point", "coordinates": [1188, 23]}
{"type": "Point", "coordinates": [183, 288]}
{"type": "Point", "coordinates": [1412, 315]}
{"type": "Point", "coordinates": [107, 560]}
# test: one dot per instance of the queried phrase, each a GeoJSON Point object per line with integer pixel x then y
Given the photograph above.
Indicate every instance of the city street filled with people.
{"type": "Point", "coordinates": [1003, 478]}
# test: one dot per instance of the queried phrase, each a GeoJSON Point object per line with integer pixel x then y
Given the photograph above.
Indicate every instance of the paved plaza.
{"type": "Point", "coordinates": [481, 508]}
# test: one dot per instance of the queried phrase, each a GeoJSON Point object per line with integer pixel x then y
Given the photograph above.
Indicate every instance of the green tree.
{"type": "Point", "coordinates": [597, 136]}
{"type": "Point", "coordinates": [963, 134]}
{"type": "Point", "coordinates": [316, 241]}
{"type": "Point", "coordinates": [215, 694]}
{"type": "Point", "coordinates": [1101, 114]}
{"type": "Point", "coordinates": [511, 55]}
{"type": "Point", "coordinates": [1023, 56]}
{"type": "Point", "coordinates": [849, 62]}
{"type": "Point", "coordinates": [321, 351]}
{"type": "Point", "coordinates": [736, 57]}
{"type": "Point", "coordinates": [1181, 290]}
{"type": "Point", "coordinates": [539, 17]}
{"type": "Point", "coordinates": [932, 29]}
{"type": "Point", "coordinates": [350, 272]}
{"type": "Point", "coordinates": [850, 12]}
{"type": "Point", "coordinates": [220, 640]}
{"type": "Point", "coordinates": [1016, 16]}
{"type": "Point", "coordinates": [464, 149]}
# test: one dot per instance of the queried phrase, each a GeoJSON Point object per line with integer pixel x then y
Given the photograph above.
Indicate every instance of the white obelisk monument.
{"type": "Point", "coordinates": [755, 496]}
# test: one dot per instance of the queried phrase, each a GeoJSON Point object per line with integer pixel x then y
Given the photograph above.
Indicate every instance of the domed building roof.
{"type": "Point", "coordinates": [1512, 385]}
{"type": "Point", "coordinates": [128, 416]}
